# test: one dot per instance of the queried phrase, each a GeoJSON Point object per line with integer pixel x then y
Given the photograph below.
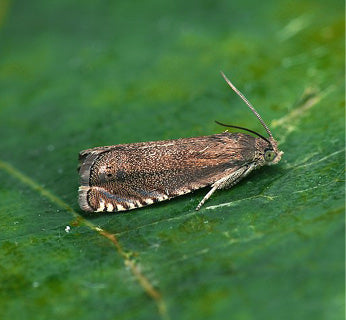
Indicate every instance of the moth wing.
{"type": "Point", "coordinates": [129, 176]}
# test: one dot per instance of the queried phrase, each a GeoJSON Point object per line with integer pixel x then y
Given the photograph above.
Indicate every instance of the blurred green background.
{"type": "Point", "coordinates": [79, 74]}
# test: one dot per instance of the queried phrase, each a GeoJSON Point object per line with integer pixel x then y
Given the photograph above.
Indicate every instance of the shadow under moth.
{"type": "Point", "coordinates": [129, 176]}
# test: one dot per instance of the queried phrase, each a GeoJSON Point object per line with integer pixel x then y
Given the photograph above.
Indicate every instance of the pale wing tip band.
{"type": "Point", "coordinates": [83, 199]}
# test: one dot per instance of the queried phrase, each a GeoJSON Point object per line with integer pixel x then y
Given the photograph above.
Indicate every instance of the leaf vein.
{"type": "Point", "coordinates": [126, 256]}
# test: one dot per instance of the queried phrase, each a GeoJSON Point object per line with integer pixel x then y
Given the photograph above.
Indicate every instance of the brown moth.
{"type": "Point", "coordinates": [129, 176]}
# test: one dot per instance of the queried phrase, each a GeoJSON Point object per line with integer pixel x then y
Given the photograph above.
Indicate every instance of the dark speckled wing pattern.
{"type": "Point", "coordinates": [129, 176]}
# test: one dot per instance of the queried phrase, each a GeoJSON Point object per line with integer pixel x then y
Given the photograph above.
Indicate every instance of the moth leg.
{"type": "Point", "coordinates": [208, 195]}
{"type": "Point", "coordinates": [227, 181]}
{"type": "Point", "coordinates": [236, 177]}
{"type": "Point", "coordinates": [220, 184]}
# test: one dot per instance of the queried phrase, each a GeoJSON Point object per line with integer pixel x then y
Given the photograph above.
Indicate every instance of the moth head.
{"type": "Point", "coordinates": [272, 154]}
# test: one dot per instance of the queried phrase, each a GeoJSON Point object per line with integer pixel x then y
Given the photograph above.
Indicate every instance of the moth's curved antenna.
{"type": "Point", "coordinates": [248, 103]}
{"type": "Point", "coordinates": [242, 128]}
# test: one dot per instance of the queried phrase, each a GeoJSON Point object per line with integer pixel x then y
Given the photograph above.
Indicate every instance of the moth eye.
{"type": "Point", "coordinates": [109, 175]}
{"type": "Point", "coordinates": [269, 155]}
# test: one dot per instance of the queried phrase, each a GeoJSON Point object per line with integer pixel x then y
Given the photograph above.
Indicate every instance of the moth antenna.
{"type": "Point", "coordinates": [247, 102]}
{"type": "Point", "coordinates": [242, 128]}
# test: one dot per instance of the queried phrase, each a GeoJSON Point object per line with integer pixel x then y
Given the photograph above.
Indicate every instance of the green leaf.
{"type": "Point", "coordinates": [75, 75]}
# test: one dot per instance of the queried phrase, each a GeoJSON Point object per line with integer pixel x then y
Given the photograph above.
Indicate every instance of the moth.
{"type": "Point", "coordinates": [129, 176]}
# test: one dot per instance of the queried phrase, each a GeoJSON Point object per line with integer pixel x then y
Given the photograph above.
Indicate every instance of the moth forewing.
{"type": "Point", "coordinates": [129, 176]}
